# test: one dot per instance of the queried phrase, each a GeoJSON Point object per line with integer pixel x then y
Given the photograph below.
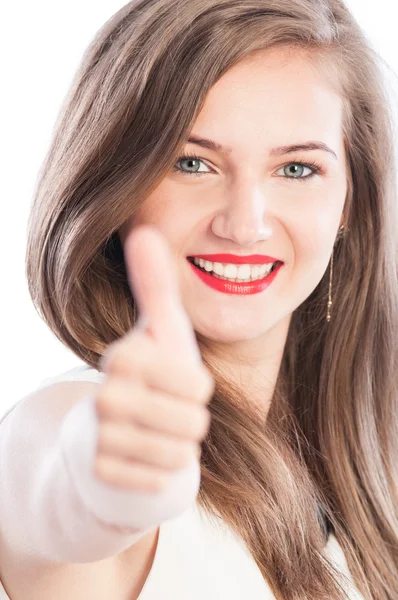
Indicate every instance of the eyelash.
{"type": "Point", "coordinates": [317, 169]}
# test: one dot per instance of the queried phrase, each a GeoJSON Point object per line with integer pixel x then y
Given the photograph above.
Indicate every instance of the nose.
{"type": "Point", "coordinates": [242, 218]}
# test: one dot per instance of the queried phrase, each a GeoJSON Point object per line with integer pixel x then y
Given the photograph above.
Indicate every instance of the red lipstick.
{"type": "Point", "coordinates": [236, 287]}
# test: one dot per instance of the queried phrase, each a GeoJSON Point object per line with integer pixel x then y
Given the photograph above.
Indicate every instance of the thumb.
{"type": "Point", "coordinates": [153, 281]}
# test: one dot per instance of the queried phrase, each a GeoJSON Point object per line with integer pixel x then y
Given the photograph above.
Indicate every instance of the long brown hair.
{"type": "Point", "coordinates": [330, 441]}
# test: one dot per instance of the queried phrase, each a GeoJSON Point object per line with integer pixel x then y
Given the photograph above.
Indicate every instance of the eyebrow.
{"type": "Point", "coordinates": [278, 151]}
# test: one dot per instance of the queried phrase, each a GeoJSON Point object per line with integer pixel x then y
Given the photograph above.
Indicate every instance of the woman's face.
{"type": "Point", "coordinates": [254, 200]}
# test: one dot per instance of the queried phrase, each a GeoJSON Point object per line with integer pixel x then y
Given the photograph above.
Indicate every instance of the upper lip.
{"type": "Point", "coordinates": [239, 260]}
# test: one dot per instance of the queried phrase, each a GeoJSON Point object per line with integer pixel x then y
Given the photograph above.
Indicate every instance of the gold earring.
{"type": "Point", "coordinates": [328, 316]}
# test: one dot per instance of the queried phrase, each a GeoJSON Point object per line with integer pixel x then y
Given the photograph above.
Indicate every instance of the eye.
{"type": "Point", "coordinates": [190, 159]}
{"type": "Point", "coordinates": [293, 172]}
{"type": "Point", "coordinates": [194, 161]}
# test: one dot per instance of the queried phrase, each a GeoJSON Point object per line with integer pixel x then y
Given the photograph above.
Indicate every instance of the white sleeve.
{"type": "Point", "coordinates": [53, 507]}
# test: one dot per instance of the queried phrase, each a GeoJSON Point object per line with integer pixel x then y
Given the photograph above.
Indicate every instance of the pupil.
{"type": "Point", "coordinates": [294, 168]}
{"type": "Point", "coordinates": [190, 162]}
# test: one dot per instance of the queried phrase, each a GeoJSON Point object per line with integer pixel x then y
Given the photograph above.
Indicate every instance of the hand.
{"type": "Point", "coordinates": [152, 405]}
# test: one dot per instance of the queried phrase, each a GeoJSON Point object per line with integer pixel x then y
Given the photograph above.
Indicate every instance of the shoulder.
{"type": "Point", "coordinates": [70, 386]}
{"type": "Point", "coordinates": [79, 373]}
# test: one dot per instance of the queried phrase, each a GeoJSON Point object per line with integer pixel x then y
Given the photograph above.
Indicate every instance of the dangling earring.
{"type": "Point", "coordinates": [340, 234]}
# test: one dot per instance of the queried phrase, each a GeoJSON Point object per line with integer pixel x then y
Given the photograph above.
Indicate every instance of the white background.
{"type": "Point", "coordinates": [40, 48]}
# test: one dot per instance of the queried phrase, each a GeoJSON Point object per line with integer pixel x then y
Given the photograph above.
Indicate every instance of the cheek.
{"type": "Point", "coordinates": [312, 237]}
{"type": "Point", "coordinates": [174, 216]}
{"type": "Point", "coordinates": [151, 212]}
{"type": "Point", "coordinates": [312, 253]}
{"type": "Point", "coordinates": [314, 248]}
{"type": "Point", "coordinates": [169, 216]}
{"type": "Point", "coordinates": [313, 229]}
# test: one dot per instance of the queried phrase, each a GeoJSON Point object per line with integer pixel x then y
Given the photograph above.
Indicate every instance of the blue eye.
{"type": "Point", "coordinates": [189, 159]}
{"type": "Point", "coordinates": [314, 167]}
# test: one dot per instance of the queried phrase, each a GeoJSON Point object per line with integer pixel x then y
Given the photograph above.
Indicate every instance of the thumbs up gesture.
{"type": "Point", "coordinates": [152, 405]}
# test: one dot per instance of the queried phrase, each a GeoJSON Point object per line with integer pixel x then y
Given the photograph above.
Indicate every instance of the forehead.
{"type": "Point", "coordinates": [275, 97]}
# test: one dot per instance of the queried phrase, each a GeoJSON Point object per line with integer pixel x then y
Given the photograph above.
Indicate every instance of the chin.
{"type": "Point", "coordinates": [231, 334]}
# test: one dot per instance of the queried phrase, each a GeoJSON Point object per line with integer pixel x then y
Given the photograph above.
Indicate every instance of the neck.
{"type": "Point", "coordinates": [254, 364]}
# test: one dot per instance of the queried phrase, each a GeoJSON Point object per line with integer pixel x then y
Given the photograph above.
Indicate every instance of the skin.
{"type": "Point", "coordinates": [249, 202]}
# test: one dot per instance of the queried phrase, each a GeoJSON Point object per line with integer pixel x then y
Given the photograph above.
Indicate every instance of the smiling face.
{"type": "Point", "coordinates": [251, 200]}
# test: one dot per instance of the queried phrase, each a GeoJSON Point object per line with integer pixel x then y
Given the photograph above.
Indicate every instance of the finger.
{"type": "Point", "coordinates": [154, 410]}
{"type": "Point", "coordinates": [131, 476]}
{"type": "Point", "coordinates": [159, 370]}
{"type": "Point", "coordinates": [145, 446]}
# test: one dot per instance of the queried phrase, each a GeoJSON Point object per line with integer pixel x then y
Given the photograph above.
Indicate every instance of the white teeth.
{"type": "Point", "coordinates": [233, 272]}
{"type": "Point", "coordinates": [218, 268]}
{"type": "Point", "coordinates": [207, 265]}
{"type": "Point", "coordinates": [230, 272]}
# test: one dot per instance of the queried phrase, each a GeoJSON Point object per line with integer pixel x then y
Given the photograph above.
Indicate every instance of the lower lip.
{"type": "Point", "coordinates": [232, 287]}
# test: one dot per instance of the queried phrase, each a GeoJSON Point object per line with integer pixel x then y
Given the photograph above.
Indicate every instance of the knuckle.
{"type": "Point", "coordinates": [203, 423]}
{"type": "Point", "coordinates": [179, 455]}
{"type": "Point", "coordinates": [135, 365]}
{"type": "Point", "coordinates": [130, 476]}
{"type": "Point", "coordinates": [125, 364]}
{"type": "Point", "coordinates": [208, 384]}
{"type": "Point", "coordinates": [113, 355]}
{"type": "Point", "coordinates": [102, 441]}
{"type": "Point", "coordinates": [128, 355]}
{"type": "Point", "coordinates": [146, 449]}
{"type": "Point", "coordinates": [106, 357]}
{"type": "Point", "coordinates": [117, 398]}
{"type": "Point", "coordinates": [204, 387]}
{"type": "Point", "coordinates": [98, 468]}
{"type": "Point", "coordinates": [198, 424]}
{"type": "Point", "coordinates": [143, 478]}
{"type": "Point", "coordinates": [146, 478]}
{"type": "Point", "coordinates": [107, 441]}
{"type": "Point", "coordinates": [195, 423]}
{"type": "Point", "coordinates": [102, 400]}
{"type": "Point", "coordinates": [188, 453]}
{"type": "Point", "coordinates": [105, 400]}
{"type": "Point", "coordinates": [102, 469]}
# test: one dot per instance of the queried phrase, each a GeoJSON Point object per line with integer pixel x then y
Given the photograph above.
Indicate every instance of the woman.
{"type": "Point", "coordinates": [299, 171]}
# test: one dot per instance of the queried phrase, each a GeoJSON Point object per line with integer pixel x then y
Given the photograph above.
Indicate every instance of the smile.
{"type": "Point", "coordinates": [221, 284]}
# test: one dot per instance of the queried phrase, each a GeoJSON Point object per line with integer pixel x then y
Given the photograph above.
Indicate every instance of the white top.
{"type": "Point", "coordinates": [199, 556]}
